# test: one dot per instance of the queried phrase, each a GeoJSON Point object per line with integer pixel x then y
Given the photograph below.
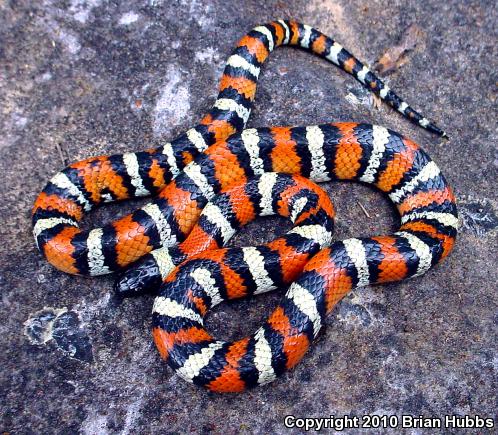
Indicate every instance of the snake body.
{"type": "Point", "coordinates": [343, 151]}
{"type": "Point", "coordinates": [214, 179]}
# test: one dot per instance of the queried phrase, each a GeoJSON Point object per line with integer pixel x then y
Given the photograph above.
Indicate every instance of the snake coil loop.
{"type": "Point", "coordinates": [217, 177]}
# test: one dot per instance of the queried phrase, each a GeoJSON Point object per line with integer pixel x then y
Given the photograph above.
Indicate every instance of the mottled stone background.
{"type": "Point", "coordinates": [81, 78]}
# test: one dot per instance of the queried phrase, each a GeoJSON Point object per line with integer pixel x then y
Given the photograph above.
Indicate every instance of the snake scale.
{"type": "Point", "coordinates": [217, 177]}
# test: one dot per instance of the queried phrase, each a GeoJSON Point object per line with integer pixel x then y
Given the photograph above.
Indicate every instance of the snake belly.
{"type": "Point", "coordinates": [86, 184]}
{"type": "Point", "coordinates": [342, 151]}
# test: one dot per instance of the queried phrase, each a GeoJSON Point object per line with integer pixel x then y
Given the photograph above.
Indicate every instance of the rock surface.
{"type": "Point", "coordinates": [87, 77]}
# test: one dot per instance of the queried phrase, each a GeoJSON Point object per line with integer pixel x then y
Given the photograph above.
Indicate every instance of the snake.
{"type": "Point", "coordinates": [217, 177]}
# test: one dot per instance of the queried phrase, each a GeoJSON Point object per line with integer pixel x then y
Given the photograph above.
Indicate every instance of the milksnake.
{"type": "Point", "coordinates": [214, 179]}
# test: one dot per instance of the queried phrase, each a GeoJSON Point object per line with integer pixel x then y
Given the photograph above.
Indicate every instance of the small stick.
{"type": "Point", "coordinates": [364, 209]}
{"type": "Point", "coordinates": [61, 155]}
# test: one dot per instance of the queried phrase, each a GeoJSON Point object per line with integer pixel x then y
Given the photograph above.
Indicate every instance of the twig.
{"type": "Point", "coordinates": [364, 209]}
{"type": "Point", "coordinates": [61, 155]}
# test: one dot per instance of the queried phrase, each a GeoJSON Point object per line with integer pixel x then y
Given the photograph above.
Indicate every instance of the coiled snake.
{"type": "Point", "coordinates": [217, 177]}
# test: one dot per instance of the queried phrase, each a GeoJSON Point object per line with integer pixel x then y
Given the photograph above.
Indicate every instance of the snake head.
{"type": "Point", "coordinates": [142, 278]}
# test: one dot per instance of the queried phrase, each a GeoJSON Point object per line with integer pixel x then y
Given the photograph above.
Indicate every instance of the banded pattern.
{"type": "Point", "coordinates": [343, 151]}
{"type": "Point", "coordinates": [292, 196]}
{"type": "Point", "coordinates": [85, 184]}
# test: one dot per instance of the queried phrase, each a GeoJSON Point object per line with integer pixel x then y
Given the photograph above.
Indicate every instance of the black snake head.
{"type": "Point", "coordinates": [136, 281]}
